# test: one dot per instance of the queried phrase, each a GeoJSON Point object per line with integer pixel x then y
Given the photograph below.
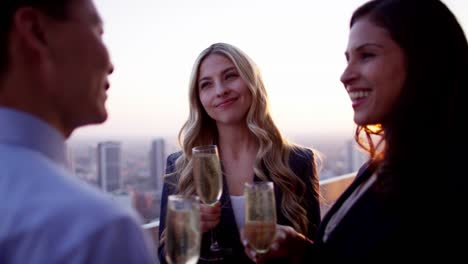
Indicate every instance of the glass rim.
{"type": "Point", "coordinates": [204, 147]}
{"type": "Point", "coordinates": [181, 197]}
{"type": "Point", "coordinates": [258, 184]}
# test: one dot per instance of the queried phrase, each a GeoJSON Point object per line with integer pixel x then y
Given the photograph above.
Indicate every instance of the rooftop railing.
{"type": "Point", "coordinates": [331, 189]}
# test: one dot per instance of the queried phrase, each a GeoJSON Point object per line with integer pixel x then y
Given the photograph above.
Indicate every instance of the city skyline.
{"type": "Point", "coordinates": [132, 172]}
{"type": "Point", "coordinates": [136, 153]}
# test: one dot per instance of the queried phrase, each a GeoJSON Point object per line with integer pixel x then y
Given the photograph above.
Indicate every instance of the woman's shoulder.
{"type": "Point", "coordinates": [174, 155]}
{"type": "Point", "coordinates": [171, 162]}
{"type": "Point", "coordinates": [301, 154]}
{"type": "Point", "coordinates": [302, 160]}
{"type": "Point", "coordinates": [171, 158]}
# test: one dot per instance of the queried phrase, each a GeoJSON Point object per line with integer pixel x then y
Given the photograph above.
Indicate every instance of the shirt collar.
{"type": "Point", "coordinates": [25, 130]}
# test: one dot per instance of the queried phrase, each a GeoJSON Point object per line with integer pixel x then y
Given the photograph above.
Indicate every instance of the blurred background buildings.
{"type": "Point", "coordinates": [131, 171]}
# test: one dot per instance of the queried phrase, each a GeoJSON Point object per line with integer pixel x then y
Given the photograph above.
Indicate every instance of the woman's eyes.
{"type": "Point", "coordinates": [362, 56]}
{"type": "Point", "coordinates": [230, 76]}
{"type": "Point", "coordinates": [367, 55]}
{"type": "Point", "coordinates": [203, 85]}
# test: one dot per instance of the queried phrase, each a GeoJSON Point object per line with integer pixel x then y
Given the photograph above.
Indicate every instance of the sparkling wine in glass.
{"type": "Point", "coordinates": [260, 215]}
{"type": "Point", "coordinates": [183, 236]}
{"type": "Point", "coordinates": [208, 180]}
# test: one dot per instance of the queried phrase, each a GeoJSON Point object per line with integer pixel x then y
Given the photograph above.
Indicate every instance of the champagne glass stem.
{"type": "Point", "coordinates": [214, 242]}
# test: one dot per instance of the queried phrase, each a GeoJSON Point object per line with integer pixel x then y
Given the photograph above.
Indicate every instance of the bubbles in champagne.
{"type": "Point", "coordinates": [260, 234]}
{"type": "Point", "coordinates": [208, 177]}
{"type": "Point", "coordinates": [182, 236]}
{"type": "Point", "coordinates": [260, 215]}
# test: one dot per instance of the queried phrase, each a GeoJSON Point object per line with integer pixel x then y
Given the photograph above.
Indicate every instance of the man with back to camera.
{"type": "Point", "coordinates": [53, 79]}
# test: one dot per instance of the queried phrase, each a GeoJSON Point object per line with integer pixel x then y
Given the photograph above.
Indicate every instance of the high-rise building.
{"type": "Point", "coordinates": [157, 163]}
{"type": "Point", "coordinates": [109, 163]}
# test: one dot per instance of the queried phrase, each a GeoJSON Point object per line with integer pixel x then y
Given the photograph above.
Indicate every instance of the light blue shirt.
{"type": "Point", "coordinates": [47, 216]}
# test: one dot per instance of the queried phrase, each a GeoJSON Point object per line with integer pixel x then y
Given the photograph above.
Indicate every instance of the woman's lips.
{"type": "Point", "coordinates": [357, 102]}
{"type": "Point", "coordinates": [227, 102]}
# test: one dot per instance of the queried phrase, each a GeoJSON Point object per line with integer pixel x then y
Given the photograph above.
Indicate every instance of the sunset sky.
{"type": "Point", "coordinates": [298, 45]}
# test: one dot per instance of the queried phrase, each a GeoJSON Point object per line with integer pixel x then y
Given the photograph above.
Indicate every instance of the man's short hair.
{"type": "Point", "coordinates": [53, 8]}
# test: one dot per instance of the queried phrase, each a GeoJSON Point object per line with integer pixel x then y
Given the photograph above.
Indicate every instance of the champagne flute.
{"type": "Point", "coordinates": [208, 180]}
{"type": "Point", "coordinates": [183, 230]}
{"type": "Point", "coordinates": [260, 215]}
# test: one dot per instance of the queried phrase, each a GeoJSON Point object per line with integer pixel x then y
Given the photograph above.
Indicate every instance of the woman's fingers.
{"type": "Point", "coordinates": [286, 244]}
{"type": "Point", "coordinates": [279, 246]}
{"type": "Point", "coordinates": [209, 216]}
{"type": "Point", "coordinates": [249, 251]}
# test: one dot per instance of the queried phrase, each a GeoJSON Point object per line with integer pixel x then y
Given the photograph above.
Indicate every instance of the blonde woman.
{"type": "Point", "coordinates": [229, 108]}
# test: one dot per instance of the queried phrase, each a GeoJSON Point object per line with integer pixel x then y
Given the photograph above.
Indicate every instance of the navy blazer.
{"type": "Point", "coordinates": [227, 233]}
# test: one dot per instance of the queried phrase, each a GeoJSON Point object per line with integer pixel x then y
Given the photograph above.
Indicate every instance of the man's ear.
{"type": "Point", "coordinates": [30, 25]}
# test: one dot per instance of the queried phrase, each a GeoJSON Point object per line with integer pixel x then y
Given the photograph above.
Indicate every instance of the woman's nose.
{"type": "Point", "coordinates": [221, 89]}
{"type": "Point", "coordinates": [348, 75]}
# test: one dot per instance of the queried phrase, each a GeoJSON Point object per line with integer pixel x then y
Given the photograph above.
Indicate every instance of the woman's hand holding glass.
{"type": "Point", "coordinates": [208, 179]}
{"type": "Point", "coordinates": [210, 216]}
{"type": "Point", "coordinates": [260, 215]}
{"type": "Point", "coordinates": [287, 243]}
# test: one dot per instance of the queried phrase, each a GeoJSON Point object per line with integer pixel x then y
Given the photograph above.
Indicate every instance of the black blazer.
{"type": "Point", "coordinates": [227, 233]}
{"type": "Point", "coordinates": [370, 232]}
{"type": "Point", "coordinates": [393, 221]}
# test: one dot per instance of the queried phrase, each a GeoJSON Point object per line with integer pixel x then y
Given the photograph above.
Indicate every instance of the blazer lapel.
{"type": "Point", "coordinates": [228, 233]}
{"type": "Point", "coordinates": [364, 173]}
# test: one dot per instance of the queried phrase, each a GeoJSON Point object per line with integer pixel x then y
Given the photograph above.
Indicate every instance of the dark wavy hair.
{"type": "Point", "coordinates": [422, 138]}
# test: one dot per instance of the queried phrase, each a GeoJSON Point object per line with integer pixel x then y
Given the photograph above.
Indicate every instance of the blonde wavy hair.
{"type": "Point", "coordinates": [274, 149]}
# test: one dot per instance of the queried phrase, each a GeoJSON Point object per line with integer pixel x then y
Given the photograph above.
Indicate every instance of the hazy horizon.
{"type": "Point", "coordinates": [293, 137]}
